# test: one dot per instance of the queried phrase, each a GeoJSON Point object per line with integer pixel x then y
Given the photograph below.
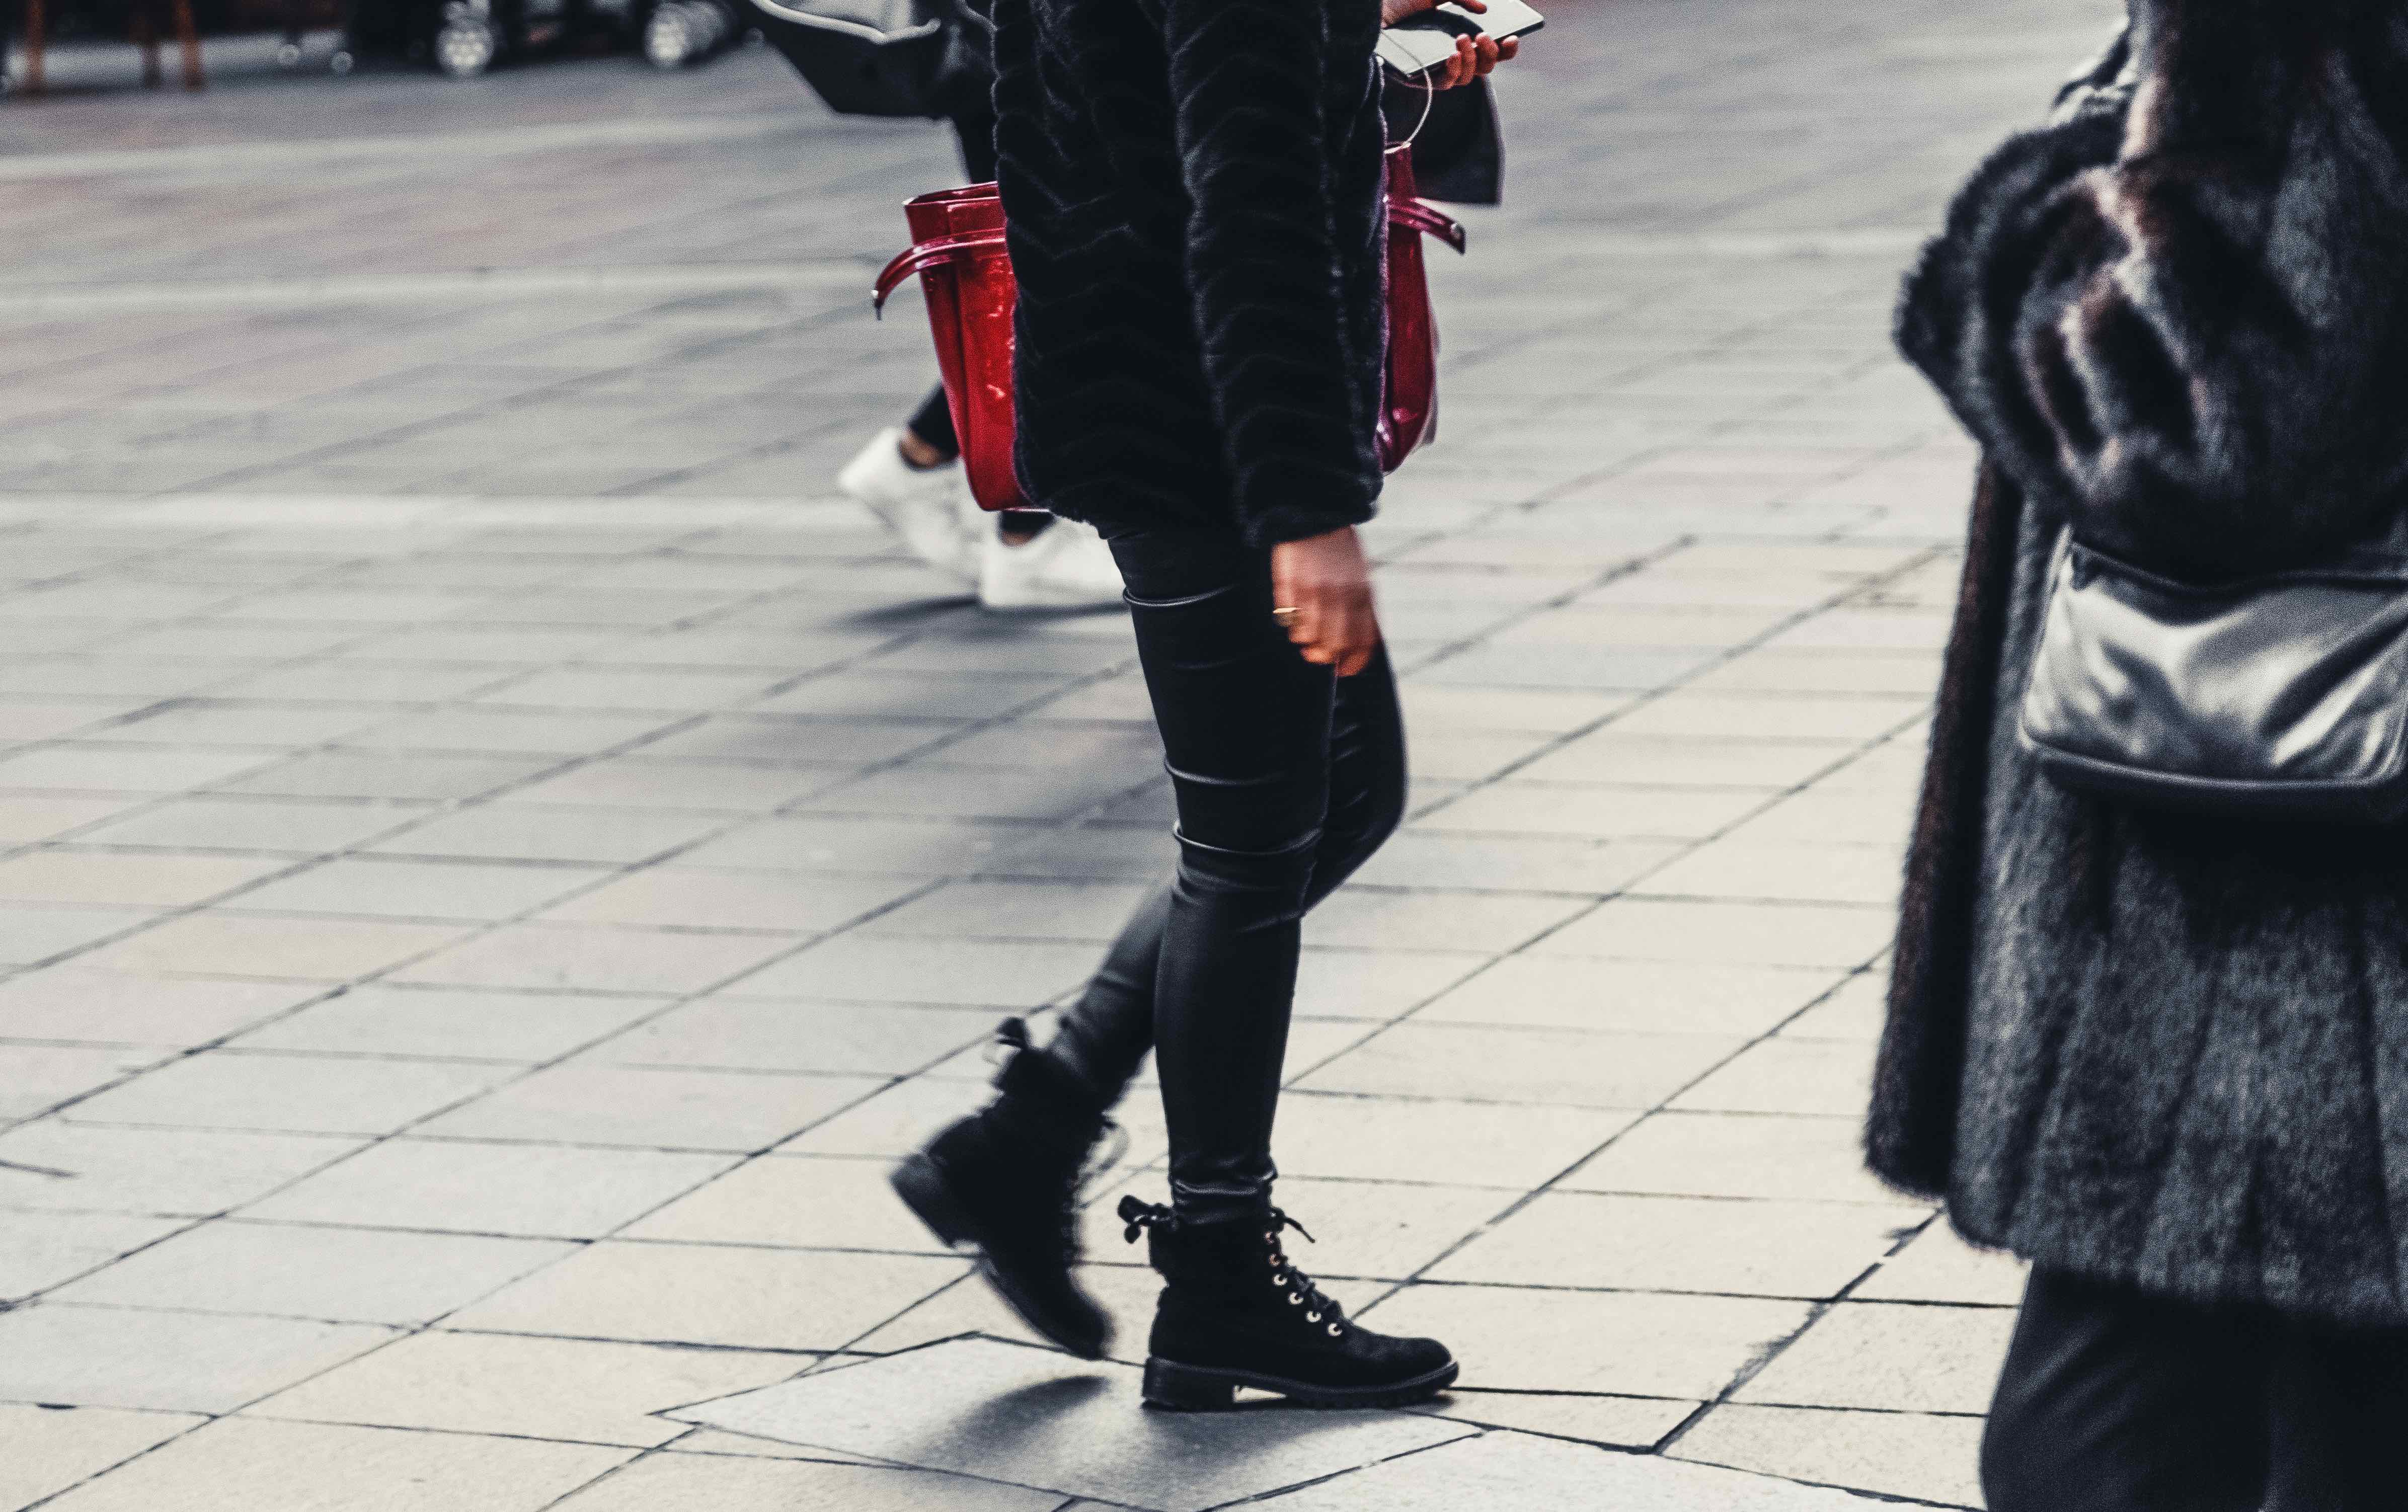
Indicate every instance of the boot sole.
{"type": "Point", "coordinates": [921, 1184]}
{"type": "Point", "coordinates": [1176, 1388]}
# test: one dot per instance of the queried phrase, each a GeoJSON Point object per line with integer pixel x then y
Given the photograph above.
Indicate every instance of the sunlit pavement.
{"type": "Point", "coordinates": [496, 858]}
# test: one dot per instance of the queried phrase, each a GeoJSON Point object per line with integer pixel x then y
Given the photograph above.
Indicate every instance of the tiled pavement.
{"type": "Point", "coordinates": [495, 860]}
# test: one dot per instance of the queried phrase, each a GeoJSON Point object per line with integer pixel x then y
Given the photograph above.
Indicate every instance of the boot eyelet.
{"type": "Point", "coordinates": [1295, 1300]}
{"type": "Point", "coordinates": [1333, 1330]}
{"type": "Point", "coordinates": [1312, 1318]}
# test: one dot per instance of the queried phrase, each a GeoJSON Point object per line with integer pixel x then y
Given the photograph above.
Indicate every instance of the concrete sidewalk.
{"type": "Point", "coordinates": [495, 860]}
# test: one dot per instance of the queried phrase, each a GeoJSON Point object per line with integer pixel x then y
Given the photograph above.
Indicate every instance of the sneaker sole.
{"type": "Point", "coordinates": [1172, 1387]}
{"type": "Point", "coordinates": [922, 1186]}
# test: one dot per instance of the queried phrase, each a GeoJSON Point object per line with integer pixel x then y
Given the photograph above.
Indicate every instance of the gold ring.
{"type": "Point", "coordinates": [1285, 617]}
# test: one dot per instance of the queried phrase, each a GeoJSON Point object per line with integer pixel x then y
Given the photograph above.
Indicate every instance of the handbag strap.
{"type": "Point", "coordinates": [1414, 215]}
{"type": "Point", "coordinates": [928, 254]}
{"type": "Point", "coordinates": [1420, 215]}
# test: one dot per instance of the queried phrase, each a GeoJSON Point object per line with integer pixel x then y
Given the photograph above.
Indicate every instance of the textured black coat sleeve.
{"type": "Point", "coordinates": [2180, 324]}
{"type": "Point", "coordinates": [1264, 162]}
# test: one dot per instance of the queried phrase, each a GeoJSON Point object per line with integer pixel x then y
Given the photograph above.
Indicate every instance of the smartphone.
{"type": "Point", "coordinates": [1427, 40]}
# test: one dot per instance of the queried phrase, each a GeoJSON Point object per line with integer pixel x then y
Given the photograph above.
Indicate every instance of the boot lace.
{"type": "Point", "coordinates": [1295, 1287]}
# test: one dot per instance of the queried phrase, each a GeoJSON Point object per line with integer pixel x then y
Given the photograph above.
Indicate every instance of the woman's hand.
{"type": "Point", "coordinates": [1327, 581]}
{"type": "Point", "coordinates": [1474, 57]}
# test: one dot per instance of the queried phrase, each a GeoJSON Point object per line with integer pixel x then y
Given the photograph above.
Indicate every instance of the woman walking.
{"type": "Point", "coordinates": [1194, 189]}
{"type": "Point", "coordinates": [2164, 1055]}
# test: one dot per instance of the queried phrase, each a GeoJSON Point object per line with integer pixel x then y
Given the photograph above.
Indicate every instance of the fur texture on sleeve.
{"type": "Point", "coordinates": [2176, 316]}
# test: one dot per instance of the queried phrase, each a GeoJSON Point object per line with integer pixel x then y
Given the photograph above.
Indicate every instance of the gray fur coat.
{"type": "Point", "coordinates": [2149, 1048]}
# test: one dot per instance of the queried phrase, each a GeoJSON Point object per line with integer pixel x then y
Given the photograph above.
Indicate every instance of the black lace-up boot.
{"type": "Point", "coordinates": [1235, 1311]}
{"type": "Point", "coordinates": [1004, 1182]}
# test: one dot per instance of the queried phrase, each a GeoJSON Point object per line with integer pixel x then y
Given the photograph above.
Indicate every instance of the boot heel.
{"type": "Point", "coordinates": [922, 1186]}
{"type": "Point", "coordinates": [1185, 1389]}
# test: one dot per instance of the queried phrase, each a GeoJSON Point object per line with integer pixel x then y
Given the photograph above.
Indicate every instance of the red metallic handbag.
{"type": "Point", "coordinates": [957, 249]}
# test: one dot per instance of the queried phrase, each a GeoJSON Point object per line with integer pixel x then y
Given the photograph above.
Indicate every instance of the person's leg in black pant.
{"type": "Point", "coordinates": [1288, 779]}
{"type": "Point", "coordinates": [1247, 727]}
{"type": "Point", "coordinates": [1107, 1033]}
{"type": "Point", "coordinates": [1278, 769]}
{"type": "Point", "coordinates": [2339, 1412]}
{"type": "Point", "coordinates": [2115, 1401]}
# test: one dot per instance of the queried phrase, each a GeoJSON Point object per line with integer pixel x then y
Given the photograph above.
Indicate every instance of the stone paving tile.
{"type": "Point", "coordinates": [154, 878]}
{"type": "Point", "coordinates": [35, 1077]}
{"type": "Point", "coordinates": [1701, 998]}
{"type": "Point", "coordinates": [792, 1202]}
{"type": "Point", "coordinates": [1921, 1455]}
{"type": "Point", "coordinates": [104, 1008]}
{"type": "Point", "coordinates": [291, 1094]}
{"type": "Point", "coordinates": [1938, 1266]}
{"type": "Point", "coordinates": [444, 1023]}
{"type": "Point", "coordinates": [1008, 974]}
{"type": "Point", "coordinates": [593, 1102]}
{"type": "Point", "coordinates": [251, 945]}
{"type": "Point", "coordinates": [775, 1485]}
{"type": "Point", "coordinates": [786, 902]}
{"type": "Point", "coordinates": [1518, 1470]}
{"type": "Point", "coordinates": [57, 1166]}
{"type": "Point", "coordinates": [1682, 1244]}
{"type": "Point", "coordinates": [714, 1294]}
{"type": "Point", "coordinates": [1890, 1358]}
{"type": "Point", "coordinates": [1493, 1145]}
{"type": "Point", "coordinates": [242, 1464]}
{"type": "Point", "coordinates": [1828, 1077]}
{"type": "Point", "coordinates": [576, 1389]}
{"type": "Point", "coordinates": [38, 1251]}
{"type": "Point", "coordinates": [574, 958]}
{"type": "Point", "coordinates": [1629, 1422]}
{"type": "Point", "coordinates": [772, 1034]}
{"type": "Point", "coordinates": [31, 935]}
{"type": "Point", "coordinates": [351, 1276]}
{"type": "Point", "coordinates": [1035, 1418]}
{"type": "Point", "coordinates": [1547, 1065]}
{"type": "Point", "coordinates": [463, 1185]}
{"type": "Point", "coordinates": [417, 889]}
{"type": "Point", "coordinates": [171, 1361]}
{"type": "Point", "coordinates": [1627, 1343]}
{"type": "Point", "coordinates": [1739, 933]}
{"type": "Point", "coordinates": [1735, 1155]}
{"type": "Point", "coordinates": [51, 1448]}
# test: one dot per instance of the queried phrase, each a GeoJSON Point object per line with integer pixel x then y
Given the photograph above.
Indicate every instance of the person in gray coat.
{"type": "Point", "coordinates": [2162, 1057]}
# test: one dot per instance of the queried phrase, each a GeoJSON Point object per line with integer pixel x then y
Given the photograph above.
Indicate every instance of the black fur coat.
{"type": "Point", "coordinates": [2155, 1050]}
{"type": "Point", "coordinates": [1194, 195]}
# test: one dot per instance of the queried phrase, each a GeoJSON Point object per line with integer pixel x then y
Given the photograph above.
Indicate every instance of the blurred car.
{"type": "Point", "coordinates": [465, 38]}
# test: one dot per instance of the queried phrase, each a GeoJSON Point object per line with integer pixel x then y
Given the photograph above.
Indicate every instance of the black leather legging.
{"type": "Point", "coordinates": [1286, 779]}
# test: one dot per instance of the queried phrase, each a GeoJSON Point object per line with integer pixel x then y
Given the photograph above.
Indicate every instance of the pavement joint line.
{"type": "Point", "coordinates": [406, 147]}
{"type": "Point", "coordinates": [531, 282]}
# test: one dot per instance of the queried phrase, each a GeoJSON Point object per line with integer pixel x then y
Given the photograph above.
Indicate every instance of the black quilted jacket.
{"type": "Point", "coordinates": [1194, 188]}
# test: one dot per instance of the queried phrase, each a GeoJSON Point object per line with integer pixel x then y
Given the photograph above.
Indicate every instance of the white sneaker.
{"type": "Point", "coordinates": [921, 504]}
{"type": "Point", "coordinates": [1066, 566]}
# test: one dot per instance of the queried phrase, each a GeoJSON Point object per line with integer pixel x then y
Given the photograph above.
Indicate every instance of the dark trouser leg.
{"type": "Point", "coordinates": [1106, 1034]}
{"type": "Point", "coordinates": [1285, 780]}
{"type": "Point", "coordinates": [2340, 1406]}
{"type": "Point", "coordinates": [933, 422]}
{"type": "Point", "coordinates": [2115, 1401]}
